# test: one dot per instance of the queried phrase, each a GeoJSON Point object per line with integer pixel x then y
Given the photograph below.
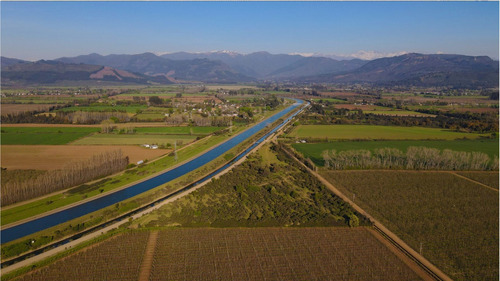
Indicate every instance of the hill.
{"type": "Point", "coordinates": [420, 70]}
{"type": "Point", "coordinates": [315, 66]}
{"type": "Point", "coordinates": [9, 61]}
{"type": "Point", "coordinates": [203, 70]}
{"type": "Point", "coordinates": [263, 65]}
{"type": "Point", "coordinates": [49, 72]}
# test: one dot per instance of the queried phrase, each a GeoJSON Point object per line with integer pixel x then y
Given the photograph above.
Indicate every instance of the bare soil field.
{"type": "Point", "coordinates": [118, 125]}
{"type": "Point", "coordinates": [52, 157]}
{"type": "Point", "coordinates": [324, 253]}
{"type": "Point", "coordinates": [8, 108]}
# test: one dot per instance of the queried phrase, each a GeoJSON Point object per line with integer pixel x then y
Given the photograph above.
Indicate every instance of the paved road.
{"type": "Point", "coordinates": [18, 231]}
{"type": "Point", "coordinates": [219, 172]}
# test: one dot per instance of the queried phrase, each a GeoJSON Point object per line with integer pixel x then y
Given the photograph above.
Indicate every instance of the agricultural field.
{"type": "Point", "coordinates": [118, 257]}
{"type": "Point", "coordinates": [314, 151]}
{"type": "Point", "coordinates": [37, 156]}
{"type": "Point", "coordinates": [9, 108]}
{"type": "Point", "coordinates": [105, 108]}
{"type": "Point", "coordinates": [181, 130]}
{"type": "Point", "coordinates": [398, 113]}
{"type": "Point", "coordinates": [45, 99]}
{"type": "Point", "coordinates": [234, 254]}
{"type": "Point", "coordinates": [488, 178]}
{"type": "Point", "coordinates": [332, 100]}
{"type": "Point", "coordinates": [134, 139]}
{"type": "Point", "coordinates": [44, 135]}
{"type": "Point", "coordinates": [453, 222]}
{"type": "Point", "coordinates": [371, 132]}
{"type": "Point", "coordinates": [265, 190]}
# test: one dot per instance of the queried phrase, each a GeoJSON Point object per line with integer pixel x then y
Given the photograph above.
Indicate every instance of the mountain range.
{"type": "Point", "coordinates": [229, 67]}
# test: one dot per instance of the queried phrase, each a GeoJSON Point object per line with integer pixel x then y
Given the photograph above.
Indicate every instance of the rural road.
{"type": "Point", "coordinates": [423, 263]}
{"type": "Point", "coordinates": [226, 168]}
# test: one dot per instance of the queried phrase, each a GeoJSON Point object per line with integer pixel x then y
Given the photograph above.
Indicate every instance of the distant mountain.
{"type": "Point", "coordinates": [10, 61]}
{"type": "Point", "coordinates": [229, 67]}
{"type": "Point", "coordinates": [309, 66]}
{"type": "Point", "coordinates": [203, 70]}
{"type": "Point", "coordinates": [420, 70]}
{"type": "Point", "coordinates": [263, 65]}
{"type": "Point", "coordinates": [47, 72]}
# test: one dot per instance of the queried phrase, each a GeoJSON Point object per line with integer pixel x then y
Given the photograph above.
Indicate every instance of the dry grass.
{"type": "Point", "coordinates": [51, 157]}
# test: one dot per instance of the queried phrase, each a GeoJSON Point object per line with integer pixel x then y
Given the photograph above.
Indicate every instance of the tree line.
{"type": "Point", "coordinates": [415, 158]}
{"type": "Point", "coordinates": [467, 122]}
{"type": "Point", "coordinates": [75, 173]}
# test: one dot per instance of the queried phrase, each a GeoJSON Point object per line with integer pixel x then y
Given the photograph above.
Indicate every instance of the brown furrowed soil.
{"type": "Point", "coordinates": [19, 108]}
{"type": "Point", "coordinates": [52, 157]}
{"type": "Point", "coordinates": [118, 125]}
{"type": "Point", "coordinates": [322, 253]}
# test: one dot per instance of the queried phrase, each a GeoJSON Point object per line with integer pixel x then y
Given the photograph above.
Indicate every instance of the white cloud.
{"type": "Point", "coordinates": [304, 54]}
{"type": "Point", "coordinates": [371, 55]}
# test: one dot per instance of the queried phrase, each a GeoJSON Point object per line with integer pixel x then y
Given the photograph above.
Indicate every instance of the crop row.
{"type": "Point", "coordinates": [118, 258]}
{"type": "Point", "coordinates": [452, 221]}
{"type": "Point", "coordinates": [235, 254]}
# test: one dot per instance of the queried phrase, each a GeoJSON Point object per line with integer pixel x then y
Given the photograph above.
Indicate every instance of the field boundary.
{"type": "Point", "coordinates": [471, 180]}
{"type": "Point", "coordinates": [95, 231]}
{"type": "Point", "coordinates": [147, 261]}
{"type": "Point", "coordinates": [422, 262]}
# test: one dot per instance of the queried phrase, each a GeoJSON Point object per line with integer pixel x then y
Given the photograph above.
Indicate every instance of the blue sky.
{"type": "Point", "coordinates": [48, 30]}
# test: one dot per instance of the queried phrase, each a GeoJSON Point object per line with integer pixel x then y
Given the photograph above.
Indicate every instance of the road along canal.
{"type": "Point", "coordinates": [21, 230]}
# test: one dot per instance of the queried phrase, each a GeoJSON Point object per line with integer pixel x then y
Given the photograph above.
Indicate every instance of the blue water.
{"type": "Point", "coordinates": [42, 223]}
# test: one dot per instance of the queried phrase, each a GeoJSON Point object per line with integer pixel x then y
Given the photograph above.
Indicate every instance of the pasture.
{"type": "Point", "coordinates": [38, 156]}
{"type": "Point", "coordinates": [234, 254]}
{"type": "Point", "coordinates": [372, 132]}
{"type": "Point", "coordinates": [452, 221]}
{"type": "Point", "coordinates": [314, 150]}
{"type": "Point", "coordinates": [39, 135]}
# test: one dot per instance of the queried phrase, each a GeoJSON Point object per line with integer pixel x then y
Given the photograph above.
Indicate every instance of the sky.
{"type": "Point", "coordinates": [49, 30]}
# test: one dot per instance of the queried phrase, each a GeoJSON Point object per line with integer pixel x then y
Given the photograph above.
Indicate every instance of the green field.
{"type": "Point", "coordinates": [110, 139]}
{"type": "Point", "coordinates": [332, 100]}
{"type": "Point", "coordinates": [314, 150]}
{"type": "Point", "coordinates": [181, 130]}
{"type": "Point", "coordinates": [454, 222]}
{"type": "Point", "coordinates": [44, 135]}
{"type": "Point", "coordinates": [346, 132]}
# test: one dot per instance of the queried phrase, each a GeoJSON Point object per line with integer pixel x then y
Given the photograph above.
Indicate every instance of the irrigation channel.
{"type": "Point", "coordinates": [30, 227]}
